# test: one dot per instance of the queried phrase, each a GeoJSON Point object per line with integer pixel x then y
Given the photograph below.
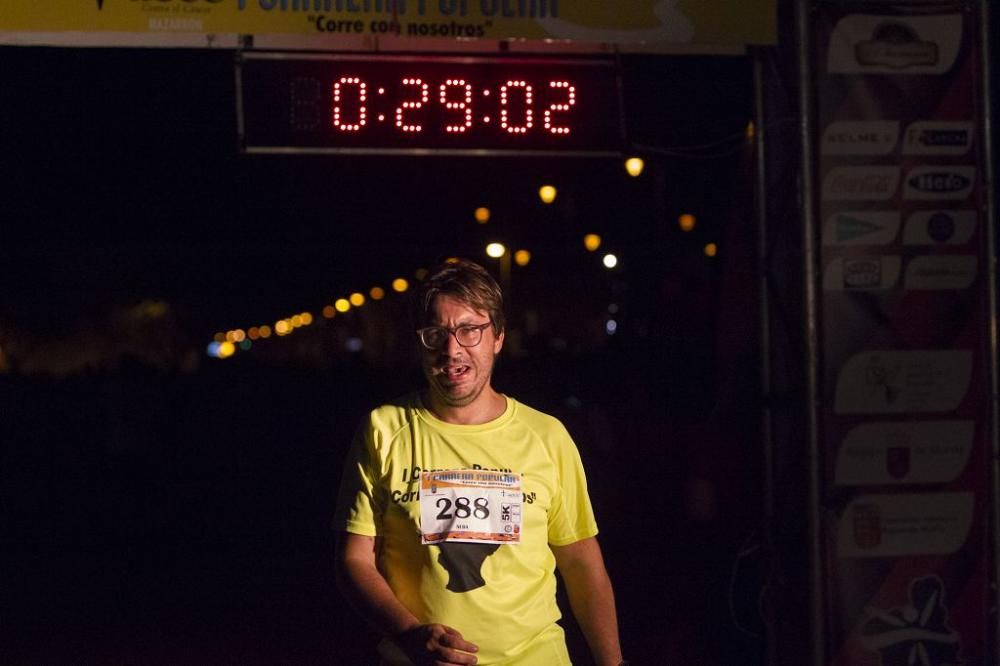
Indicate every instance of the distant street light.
{"type": "Point", "coordinates": [592, 242]}
{"type": "Point", "coordinates": [496, 250]}
{"type": "Point", "coordinates": [547, 193]}
{"type": "Point", "coordinates": [686, 222]}
{"type": "Point", "coordinates": [522, 257]}
{"type": "Point", "coordinates": [482, 215]}
{"type": "Point", "coordinates": [610, 260]}
{"type": "Point", "coordinates": [634, 166]}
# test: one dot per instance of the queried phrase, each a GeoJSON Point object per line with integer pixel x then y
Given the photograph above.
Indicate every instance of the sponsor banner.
{"type": "Point", "coordinates": [905, 525]}
{"type": "Point", "coordinates": [901, 382]}
{"type": "Point", "coordinates": [938, 138]}
{"type": "Point", "coordinates": [861, 273]}
{"type": "Point", "coordinates": [904, 331]}
{"type": "Point", "coordinates": [861, 183]}
{"type": "Point", "coordinates": [899, 452]}
{"type": "Point", "coordinates": [861, 228]}
{"type": "Point", "coordinates": [895, 45]}
{"type": "Point", "coordinates": [947, 271]}
{"type": "Point", "coordinates": [649, 22]}
{"type": "Point", "coordinates": [939, 227]}
{"type": "Point", "coordinates": [873, 137]}
{"type": "Point", "coordinates": [939, 183]}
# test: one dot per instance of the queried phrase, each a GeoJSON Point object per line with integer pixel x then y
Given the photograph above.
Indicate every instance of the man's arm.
{"type": "Point", "coordinates": [362, 583]}
{"type": "Point", "coordinates": [591, 597]}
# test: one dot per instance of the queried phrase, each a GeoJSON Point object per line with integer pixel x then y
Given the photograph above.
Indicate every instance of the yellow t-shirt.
{"type": "Point", "coordinates": [500, 597]}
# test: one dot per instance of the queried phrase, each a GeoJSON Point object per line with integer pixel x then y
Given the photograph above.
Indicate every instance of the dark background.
{"type": "Point", "coordinates": [158, 506]}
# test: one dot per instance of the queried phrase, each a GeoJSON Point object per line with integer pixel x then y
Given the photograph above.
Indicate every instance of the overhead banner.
{"type": "Point", "coordinates": [649, 22]}
{"type": "Point", "coordinates": [906, 422]}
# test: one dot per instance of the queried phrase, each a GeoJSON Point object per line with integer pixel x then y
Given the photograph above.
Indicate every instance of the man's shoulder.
{"type": "Point", "coordinates": [394, 414]}
{"type": "Point", "coordinates": [539, 421]}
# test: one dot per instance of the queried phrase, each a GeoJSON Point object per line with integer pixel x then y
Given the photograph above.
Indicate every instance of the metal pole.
{"type": "Point", "coordinates": [767, 390]}
{"type": "Point", "coordinates": [986, 109]}
{"type": "Point", "coordinates": [817, 627]}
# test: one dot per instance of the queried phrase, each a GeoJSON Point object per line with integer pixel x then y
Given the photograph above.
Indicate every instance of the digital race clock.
{"type": "Point", "coordinates": [426, 104]}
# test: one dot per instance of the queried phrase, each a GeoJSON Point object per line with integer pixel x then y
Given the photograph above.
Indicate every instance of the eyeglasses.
{"type": "Point", "coordinates": [467, 335]}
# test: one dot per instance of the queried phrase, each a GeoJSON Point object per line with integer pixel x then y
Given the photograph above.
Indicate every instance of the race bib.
{"type": "Point", "coordinates": [471, 506]}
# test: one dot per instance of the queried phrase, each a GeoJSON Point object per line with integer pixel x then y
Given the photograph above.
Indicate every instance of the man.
{"type": "Point", "coordinates": [458, 503]}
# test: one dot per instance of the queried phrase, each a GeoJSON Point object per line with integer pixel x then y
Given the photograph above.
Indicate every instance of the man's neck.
{"type": "Point", "coordinates": [485, 408]}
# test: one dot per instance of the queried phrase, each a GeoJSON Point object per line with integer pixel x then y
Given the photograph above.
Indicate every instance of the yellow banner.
{"type": "Point", "coordinates": [651, 22]}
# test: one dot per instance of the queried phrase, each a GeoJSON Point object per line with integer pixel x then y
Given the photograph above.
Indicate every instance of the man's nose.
{"type": "Point", "coordinates": [451, 346]}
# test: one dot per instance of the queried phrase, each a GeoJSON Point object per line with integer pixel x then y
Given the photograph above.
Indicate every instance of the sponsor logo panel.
{"type": "Point", "coordinates": [862, 273]}
{"type": "Point", "coordinates": [939, 182]}
{"type": "Point", "coordinates": [905, 524]}
{"type": "Point", "coordinates": [873, 44]}
{"type": "Point", "coordinates": [917, 631]}
{"type": "Point", "coordinates": [938, 138]}
{"type": "Point", "coordinates": [895, 382]}
{"type": "Point", "coordinates": [939, 227]}
{"type": "Point", "coordinates": [904, 452]}
{"type": "Point", "coordinates": [941, 272]}
{"type": "Point", "coordinates": [861, 228]}
{"type": "Point", "coordinates": [874, 137]}
{"type": "Point", "coordinates": [861, 183]}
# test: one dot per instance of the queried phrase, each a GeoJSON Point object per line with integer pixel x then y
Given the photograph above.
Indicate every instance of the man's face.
{"type": "Point", "coordinates": [457, 375]}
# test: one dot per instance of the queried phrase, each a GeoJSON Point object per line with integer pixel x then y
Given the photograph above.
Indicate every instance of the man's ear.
{"type": "Point", "coordinates": [498, 343]}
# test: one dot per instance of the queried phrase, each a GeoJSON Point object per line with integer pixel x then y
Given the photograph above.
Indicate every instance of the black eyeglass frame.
{"type": "Point", "coordinates": [454, 332]}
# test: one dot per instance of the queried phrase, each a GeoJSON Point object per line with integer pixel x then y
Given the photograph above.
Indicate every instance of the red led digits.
{"type": "Point", "coordinates": [557, 106]}
{"type": "Point", "coordinates": [338, 93]}
{"type": "Point", "coordinates": [412, 104]}
{"type": "Point", "coordinates": [465, 105]}
{"type": "Point", "coordinates": [505, 112]}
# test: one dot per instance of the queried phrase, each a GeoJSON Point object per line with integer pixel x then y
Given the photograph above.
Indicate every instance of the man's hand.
{"type": "Point", "coordinates": [436, 645]}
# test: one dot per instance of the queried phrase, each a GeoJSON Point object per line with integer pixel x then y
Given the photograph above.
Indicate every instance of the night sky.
{"type": "Point", "coordinates": [122, 182]}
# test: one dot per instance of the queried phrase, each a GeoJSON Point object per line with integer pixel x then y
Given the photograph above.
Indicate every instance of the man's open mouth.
{"type": "Point", "coordinates": [455, 372]}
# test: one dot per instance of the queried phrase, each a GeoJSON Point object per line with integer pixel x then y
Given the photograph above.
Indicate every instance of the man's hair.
{"type": "Point", "coordinates": [466, 282]}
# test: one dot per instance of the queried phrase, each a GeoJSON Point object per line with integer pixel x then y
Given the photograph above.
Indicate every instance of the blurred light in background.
{"type": "Point", "coordinates": [307, 318]}
{"type": "Point", "coordinates": [219, 337]}
{"type": "Point", "coordinates": [634, 166]}
{"type": "Point", "coordinates": [496, 250]}
{"type": "Point", "coordinates": [610, 260]}
{"type": "Point", "coordinates": [354, 344]}
{"type": "Point", "coordinates": [357, 299]}
{"type": "Point", "coordinates": [246, 345]}
{"type": "Point", "coordinates": [751, 130]}
{"type": "Point", "coordinates": [282, 327]}
{"type": "Point", "coordinates": [213, 348]}
{"type": "Point", "coordinates": [420, 274]}
{"type": "Point", "coordinates": [592, 242]}
{"type": "Point", "coordinates": [547, 194]}
{"type": "Point", "coordinates": [296, 321]}
{"type": "Point", "coordinates": [265, 331]}
{"type": "Point", "coordinates": [711, 250]}
{"type": "Point", "coordinates": [377, 293]}
{"type": "Point", "coordinates": [686, 222]}
{"type": "Point", "coordinates": [226, 349]}
{"type": "Point", "coordinates": [253, 332]}
{"type": "Point", "coordinates": [522, 257]}
{"type": "Point", "coordinates": [400, 285]}
{"type": "Point", "coordinates": [329, 311]}
{"type": "Point", "coordinates": [342, 305]}
{"type": "Point", "coordinates": [482, 215]}
{"type": "Point", "coordinates": [611, 326]}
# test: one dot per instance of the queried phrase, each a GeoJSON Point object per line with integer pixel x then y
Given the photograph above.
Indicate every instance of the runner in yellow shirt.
{"type": "Point", "coordinates": [458, 503]}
